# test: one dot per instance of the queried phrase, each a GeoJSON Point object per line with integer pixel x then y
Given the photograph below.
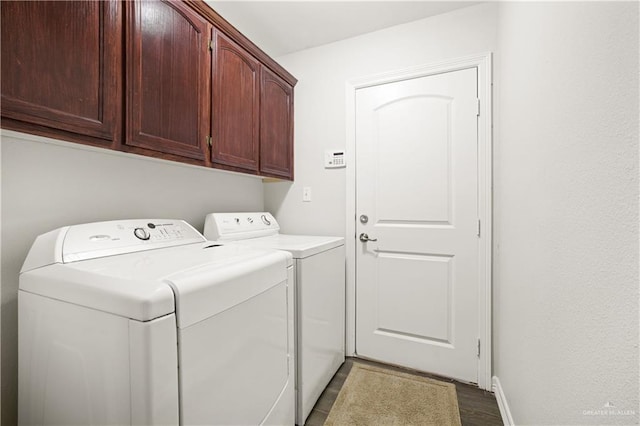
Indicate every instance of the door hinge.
{"type": "Point", "coordinates": [209, 140]}
{"type": "Point", "coordinates": [479, 227]}
{"type": "Point", "coordinates": [478, 108]}
{"type": "Point", "coordinates": [478, 348]}
{"type": "Point", "coordinates": [210, 44]}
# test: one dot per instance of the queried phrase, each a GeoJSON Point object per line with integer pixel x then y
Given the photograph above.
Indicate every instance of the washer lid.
{"type": "Point", "coordinates": [208, 290]}
{"type": "Point", "coordinates": [141, 285]}
{"type": "Point", "coordinates": [137, 298]}
{"type": "Point", "coordinates": [300, 246]}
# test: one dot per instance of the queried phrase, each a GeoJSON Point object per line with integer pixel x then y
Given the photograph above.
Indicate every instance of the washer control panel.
{"type": "Point", "coordinates": [238, 226]}
{"type": "Point", "coordinates": [101, 239]}
{"type": "Point", "coordinates": [160, 231]}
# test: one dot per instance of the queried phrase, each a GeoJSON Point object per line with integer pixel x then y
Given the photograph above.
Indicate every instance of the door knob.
{"type": "Point", "coordinates": [364, 238]}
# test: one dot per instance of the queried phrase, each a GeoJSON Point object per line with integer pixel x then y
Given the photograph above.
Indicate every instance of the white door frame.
{"type": "Point", "coordinates": [483, 63]}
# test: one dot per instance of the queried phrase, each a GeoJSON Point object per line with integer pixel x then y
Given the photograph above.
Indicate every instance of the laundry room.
{"type": "Point", "coordinates": [527, 192]}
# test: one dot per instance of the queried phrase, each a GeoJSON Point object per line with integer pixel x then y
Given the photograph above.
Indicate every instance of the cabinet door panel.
{"type": "Point", "coordinates": [276, 126]}
{"type": "Point", "coordinates": [61, 65]}
{"type": "Point", "coordinates": [236, 107]}
{"type": "Point", "coordinates": [168, 78]}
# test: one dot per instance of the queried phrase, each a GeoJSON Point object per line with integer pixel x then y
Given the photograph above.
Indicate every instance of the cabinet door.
{"type": "Point", "coordinates": [276, 126]}
{"type": "Point", "coordinates": [168, 79]}
{"type": "Point", "coordinates": [61, 68]}
{"type": "Point", "coordinates": [235, 107]}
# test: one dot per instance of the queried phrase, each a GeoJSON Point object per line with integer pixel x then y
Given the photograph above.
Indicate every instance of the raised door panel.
{"type": "Point", "coordinates": [235, 107]}
{"type": "Point", "coordinates": [276, 126]}
{"type": "Point", "coordinates": [168, 78]}
{"type": "Point", "coordinates": [61, 67]}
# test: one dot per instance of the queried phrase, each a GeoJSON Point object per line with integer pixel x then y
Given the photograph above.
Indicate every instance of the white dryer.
{"type": "Point", "coordinates": [144, 322]}
{"type": "Point", "coordinates": [319, 264]}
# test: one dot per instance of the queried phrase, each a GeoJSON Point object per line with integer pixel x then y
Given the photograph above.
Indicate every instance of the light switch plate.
{"type": "Point", "coordinates": [306, 194]}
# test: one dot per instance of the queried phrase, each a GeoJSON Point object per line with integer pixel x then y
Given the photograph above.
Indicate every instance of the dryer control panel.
{"type": "Point", "coordinates": [239, 226]}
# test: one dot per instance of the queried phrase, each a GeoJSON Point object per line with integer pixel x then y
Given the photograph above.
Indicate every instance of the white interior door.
{"type": "Point", "coordinates": [417, 182]}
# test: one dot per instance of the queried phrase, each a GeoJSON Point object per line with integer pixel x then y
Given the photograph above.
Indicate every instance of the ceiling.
{"type": "Point", "coordinates": [281, 27]}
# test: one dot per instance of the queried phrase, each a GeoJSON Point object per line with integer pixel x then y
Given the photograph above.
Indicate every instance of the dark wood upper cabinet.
{"type": "Point", "coordinates": [236, 102]}
{"type": "Point", "coordinates": [163, 78]}
{"type": "Point", "coordinates": [61, 69]}
{"type": "Point", "coordinates": [168, 79]}
{"type": "Point", "coordinates": [276, 126]}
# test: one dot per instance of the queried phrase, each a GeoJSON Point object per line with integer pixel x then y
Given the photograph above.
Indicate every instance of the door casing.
{"type": "Point", "coordinates": [483, 63]}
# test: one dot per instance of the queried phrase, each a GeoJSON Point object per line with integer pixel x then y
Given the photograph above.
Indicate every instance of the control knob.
{"type": "Point", "coordinates": [265, 220]}
{"type": "Point", "coordinates": [142, 233]}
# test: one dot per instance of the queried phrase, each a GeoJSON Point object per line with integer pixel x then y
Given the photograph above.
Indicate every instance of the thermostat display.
{"type": "Point", "coordinates": [334, 159]}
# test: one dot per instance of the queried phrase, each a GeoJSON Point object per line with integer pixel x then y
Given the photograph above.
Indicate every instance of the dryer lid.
{"type": "Point", "coordinates": [300, 246]}
{"type": "Point", "coordinates": [260, 229]}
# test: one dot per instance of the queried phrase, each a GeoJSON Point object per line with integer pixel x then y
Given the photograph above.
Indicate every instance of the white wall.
{"type": "Point", "coordinates": [566, 211]}
{"type": "Point", "coordinates": [565, 187]}
{"type": "Point", "coordinates": [322, 73]}
{"type": "Point", "coordinates": [45, 186]}
{"type": "Point", "coordinates": [565, 197]}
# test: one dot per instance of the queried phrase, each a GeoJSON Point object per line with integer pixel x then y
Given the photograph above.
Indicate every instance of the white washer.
{"type": "Point", "coordinates": [320, 295]}
{"type": "Point", "coordinates": [144, 322]}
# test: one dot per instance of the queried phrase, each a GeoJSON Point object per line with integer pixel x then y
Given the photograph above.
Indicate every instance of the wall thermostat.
{"type": "Point", "coordinates": [334, 159]}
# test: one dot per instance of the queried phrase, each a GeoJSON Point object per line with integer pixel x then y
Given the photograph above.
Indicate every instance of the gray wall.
{"type": "Point", "coordinates": [47, 185]}
{"type": "Point", "coordinates": [566, 211]}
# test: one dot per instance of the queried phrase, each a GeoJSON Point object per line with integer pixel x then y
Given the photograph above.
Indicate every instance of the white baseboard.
{"type": "Point", "coordinates": [502, 403]}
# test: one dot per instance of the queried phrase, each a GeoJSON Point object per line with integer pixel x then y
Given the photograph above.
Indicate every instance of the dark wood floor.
{"type": "Point", "coordinates": [477, 407]}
